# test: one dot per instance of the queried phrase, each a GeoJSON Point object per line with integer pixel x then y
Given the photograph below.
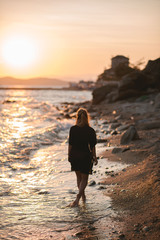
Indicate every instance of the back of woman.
{"type": "Point", "coordinates": [81, 151]}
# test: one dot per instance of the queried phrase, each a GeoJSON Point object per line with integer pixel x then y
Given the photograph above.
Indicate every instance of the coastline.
{"type": "Point", "coordinates": [135, 191]}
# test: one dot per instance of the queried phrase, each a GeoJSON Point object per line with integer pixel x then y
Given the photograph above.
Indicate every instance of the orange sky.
{"type": "Point", "coordinates": [76, 39]}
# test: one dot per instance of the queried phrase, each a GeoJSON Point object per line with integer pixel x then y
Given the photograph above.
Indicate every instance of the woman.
{"type": "Point", "coordinates": [81, 151]}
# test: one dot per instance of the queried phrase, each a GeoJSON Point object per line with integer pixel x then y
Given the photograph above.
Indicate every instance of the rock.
{"type": "Point", "coordinates": [71, 191]}
{"type": "Point", "coordinates": [114, 132]}
{"type": "Point", "coordinates": [133, 84]}
{"type": "Point", "coordinates": [91, 183]}
{"type": "Point", "coordinates": [145, 229]}
{"type": "Point", "coordinates": [116, 150]}
{"type": "Point", "coordinates": [149, 125]}
{"type": "Point", "coordinates": [123, 170]}
{"type": "Point", "coordinates": [152, 69]}
{"type": "Point", "coordinates": [129, 93]}
{"type": "Point", "coordinates": [91, 228]}
{"type": "Point", "coordinates": [118, 117]}
{"type": "Point", "coordinates": [109, 172]}
{"type": "Point", "coordinates": [67, 116]}
{"type": "Point", "coordinates": [129, 135]}
{"type": "Point", "coordinates": [43, 192]}
{"type": "Point", "coordinates": [123, 190]}
{"type": "Point", "coordinates": [120, 150]}
{"type": "Point", "coordinates": [114, 125]}
{"type": "Point", "coordinates": [105, 122]}
{"type": "Point", "coordinates": [8, 101]}
{"type": "Point", "coordinates": [122, 128]}
{"type": "Point", "coordinates": [121, 236]}
{"type": "Point", "coordinates": [125, 149]}
{"type": "Point", "coordinates": [112, 175]}
{"type": "Point", "coordinates": [101, 188]}
{"type": "Point", "coordinates": [112, 96]}
{"type": "Point", "coordinates": [78, 234]}
{"type": "Point", "coordinates": [100, 93]}
{"type": "Point", "coordinates": [135, 80]}
{"type": "Point", "coordinates": [102, 140]}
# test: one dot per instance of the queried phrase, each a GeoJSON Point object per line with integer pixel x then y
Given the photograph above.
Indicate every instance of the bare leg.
{"type": "Point", "coordinates": [82, 186]}
{"type": "Point", "coordinates": [78, 175]}
{"type": "Point", "coordinates": [79, 178]}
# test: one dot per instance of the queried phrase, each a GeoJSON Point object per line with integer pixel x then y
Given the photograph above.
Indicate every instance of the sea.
{"type": "Point", "coordinates": [36, 183]}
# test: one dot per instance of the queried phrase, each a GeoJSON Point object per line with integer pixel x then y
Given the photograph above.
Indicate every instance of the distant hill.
{"type": "Point", "coordinates": [39, 81]}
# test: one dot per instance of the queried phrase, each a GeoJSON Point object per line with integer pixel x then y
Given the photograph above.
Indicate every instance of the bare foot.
{"type": "Point", "coordinates": [74, 204]}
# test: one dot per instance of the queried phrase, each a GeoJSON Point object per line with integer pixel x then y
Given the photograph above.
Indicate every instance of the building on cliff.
{"type": "Point", "coordinates": [119, 59]}
{"type": "Point", "coordinates": [119, 67]}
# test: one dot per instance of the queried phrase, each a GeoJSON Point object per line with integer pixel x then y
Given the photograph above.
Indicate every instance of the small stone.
{"type": "Point", "coordinates": [67, 116]}
{"type": "Point", "coordinates": [114, 132]}
{"type": "Point", "coordinates": [79, 234]}
{"type": "Point", "coordinates": [43, 192]}
{"type": "Point", "coordinates": [118, 117]}
{"type": "Point", "coordinates": [125, 149]}
{"type": "Point", "coordinates": [101, 140]}
{"type": "Point", "coordinates": [105, 122]}
{"type": "Point", "coordinates": [72, 192]}
{"type": "Point", "coordinates": [122, 236]}
{"type": "Point", "coordinates": [124, 170]}
{"type": "Point", "coordinates": [116, 150]}
{"type": "Point", "coordinates": [146, 229]}
{"type": "Point", "coordinates": [122, 128]}
{"type": "Point", "coordinates": [92, 183]}
{"type": "Point", "coordinates": [101, 188]}
{"type": "Point", "coordinates": [123, 190]}
{"type": "Point", "coordinates": [91, 228]}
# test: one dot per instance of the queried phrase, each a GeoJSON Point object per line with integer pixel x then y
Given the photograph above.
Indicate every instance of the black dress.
{"type": "Point", "coordinates": [82, 140]}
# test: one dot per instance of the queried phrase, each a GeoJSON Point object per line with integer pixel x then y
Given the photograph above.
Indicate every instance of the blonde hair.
{"type": "Point", "coordinates": [82, 117]}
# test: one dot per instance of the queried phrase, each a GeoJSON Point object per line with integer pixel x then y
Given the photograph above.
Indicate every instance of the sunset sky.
{"type": "Point", "coordinates": [73, 40]}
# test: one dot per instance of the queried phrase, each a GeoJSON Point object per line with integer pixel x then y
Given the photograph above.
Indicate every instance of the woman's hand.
{"type": "Point", "coordinates": [95, 160]}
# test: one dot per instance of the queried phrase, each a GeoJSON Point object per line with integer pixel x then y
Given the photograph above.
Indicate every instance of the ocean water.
{"type": "Point", "coordinates": [36, 184]}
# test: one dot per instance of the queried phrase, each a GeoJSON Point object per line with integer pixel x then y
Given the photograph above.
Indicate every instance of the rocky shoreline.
{"type": "Point", "coordinates": [134, 138]}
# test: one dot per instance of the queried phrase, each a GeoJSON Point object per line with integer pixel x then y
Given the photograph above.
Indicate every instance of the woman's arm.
{"type": "Point", "coordinates": [94, 155]}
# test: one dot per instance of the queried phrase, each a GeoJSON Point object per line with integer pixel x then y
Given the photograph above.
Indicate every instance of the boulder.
{"type": "Point", "coordinates": [149, 125]}
{"type": "Point", "coordinates": [120, 150]}
{"type": "Point", "coordinates": [129, 135]}
{"type": "Point", "coordinates": [135, 80]}
{"type": "Point", "coordinates": [129, 94]}
{"type": "Point", "coordinates": [114, 126]}
{"type": "Point", "coordinates": [99, 94]}
{"type": "Point", "coordinates": [152, 70]}
{"type": "Point", "coordinates": [122, 128]}
{"type": "Point", "coordinates": [112, 96]}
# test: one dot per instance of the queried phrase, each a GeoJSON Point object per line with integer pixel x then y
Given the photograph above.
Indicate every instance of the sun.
{"type": "Point", "coordinates": [19, 52]}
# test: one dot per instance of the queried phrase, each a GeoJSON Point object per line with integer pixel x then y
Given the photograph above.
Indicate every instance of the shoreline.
{"type": "Point", "coordinates": [135, 191]}
{"type": "Point", "coordinates": [44, 88]}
